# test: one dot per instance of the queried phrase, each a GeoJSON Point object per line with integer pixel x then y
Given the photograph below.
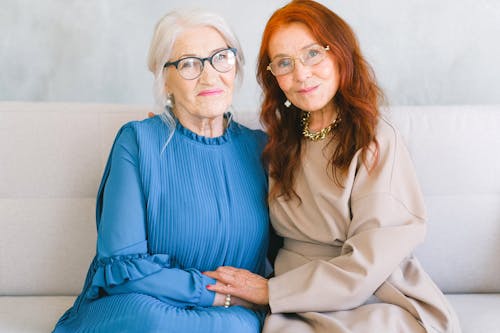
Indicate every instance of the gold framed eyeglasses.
{"type": "Point", "coordinates": [190, 68]}
{"type": "Point", "coordinates": [310, 56]}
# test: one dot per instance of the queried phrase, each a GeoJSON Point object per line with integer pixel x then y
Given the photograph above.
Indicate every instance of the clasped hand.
{"type": "Point", "coordinates": [241, 284]}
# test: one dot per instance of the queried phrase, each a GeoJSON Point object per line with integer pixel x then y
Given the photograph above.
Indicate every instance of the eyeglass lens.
{"type": "Point", "coordinates": [191, 67]}
{"type": "Point", "coordinates": [308, 57]}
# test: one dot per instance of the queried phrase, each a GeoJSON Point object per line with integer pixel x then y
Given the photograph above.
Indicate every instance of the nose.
{"type": "Point", "coordinates": [301, 72]}
{"type": "Point", "coordinates": [208, 73]}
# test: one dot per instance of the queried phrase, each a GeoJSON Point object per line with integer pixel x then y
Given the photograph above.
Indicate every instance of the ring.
{"type": "Point", "coordinates": [227, 302]}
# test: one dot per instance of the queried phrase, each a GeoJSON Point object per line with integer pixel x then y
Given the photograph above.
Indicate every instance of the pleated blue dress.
{"type": "Point", "coordinates": [165, 214]}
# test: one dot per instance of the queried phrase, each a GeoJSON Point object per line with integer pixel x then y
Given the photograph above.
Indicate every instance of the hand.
{"type": "Point", "coordinates": [151, 114]}
{"type": "Point", "coordinates": [220, 300]}
{"type": "Point", "coordinates": [240, 283]}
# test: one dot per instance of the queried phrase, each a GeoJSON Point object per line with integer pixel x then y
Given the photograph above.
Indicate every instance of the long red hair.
{"type": "Point", "coordinates": [356, 100]}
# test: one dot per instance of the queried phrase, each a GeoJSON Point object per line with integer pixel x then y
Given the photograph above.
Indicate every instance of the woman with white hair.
{"type": "Point", "coordinates": [183, 192]}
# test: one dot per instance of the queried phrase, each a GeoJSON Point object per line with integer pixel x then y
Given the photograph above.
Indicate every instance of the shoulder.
{"type": "Point", "coordinates": [382, 156]}
{"type": "Point", "coordinates": [147, 124]}
{"type": "Point", "coordinates": [388, 141]}
{"type": "Point", "coordinates": [387, 133]}
{"type": "Point", "coordinates": [149, 127]}
{"type": "Point", "coordinates": [135, 135]}
{"type": "Point", "coordinates": [393, 173]}
{"type": "Point", "coordinates": [394, 159]}
{"type": "Point", "coordinates": [391, 144]}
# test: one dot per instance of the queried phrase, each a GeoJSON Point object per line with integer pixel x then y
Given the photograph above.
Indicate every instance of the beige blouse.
{"type": "Point", "coordinates": [350, 248]}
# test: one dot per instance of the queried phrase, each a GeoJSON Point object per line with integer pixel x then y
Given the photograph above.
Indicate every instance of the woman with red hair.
{"type": "Point", "coordinates": [343, 192]}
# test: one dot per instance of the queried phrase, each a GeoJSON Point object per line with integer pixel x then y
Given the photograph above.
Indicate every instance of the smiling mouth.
{"type": "Point", "coordinates": [210, 92]}
{"type": "Point", "coordinates": [307, 90]}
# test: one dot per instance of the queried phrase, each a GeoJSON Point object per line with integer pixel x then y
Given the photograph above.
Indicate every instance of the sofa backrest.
{"type": "Point", "coordinates": [455, 152]}
{"type": "Point", "coordinates": [52, 156]}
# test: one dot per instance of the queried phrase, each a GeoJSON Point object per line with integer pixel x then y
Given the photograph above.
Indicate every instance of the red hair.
{"type": "Point", "coordinates": [357, 98]}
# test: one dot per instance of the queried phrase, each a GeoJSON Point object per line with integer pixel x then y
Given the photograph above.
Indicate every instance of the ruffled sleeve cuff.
{"type": "Point", "coordinates": [117, 270]}
{"type": "Point", "coordinates": [207, 296]}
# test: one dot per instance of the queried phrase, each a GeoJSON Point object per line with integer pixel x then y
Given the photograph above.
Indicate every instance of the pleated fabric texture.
{"type": "Point", "coordinates": [164, 215]}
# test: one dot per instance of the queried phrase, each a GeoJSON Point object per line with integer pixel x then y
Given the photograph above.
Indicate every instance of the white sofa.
{"type": "Point", "coordinates": [52, 156]}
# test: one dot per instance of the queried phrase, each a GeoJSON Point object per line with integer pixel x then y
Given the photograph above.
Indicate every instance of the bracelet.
{"type": "Point", "coordinates": [227, 302]}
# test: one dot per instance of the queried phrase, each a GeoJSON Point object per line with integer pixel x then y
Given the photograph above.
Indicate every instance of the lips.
{"type": "Point", "coordinates": [308, 89]}
{"type": "Point", "coordinates": [210, 92]}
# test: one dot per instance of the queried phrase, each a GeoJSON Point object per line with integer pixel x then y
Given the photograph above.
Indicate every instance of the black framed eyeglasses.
{"type": "Point", "coordinates": [309, 56]}
{"type": "Point", "coordinates": [191, 68]}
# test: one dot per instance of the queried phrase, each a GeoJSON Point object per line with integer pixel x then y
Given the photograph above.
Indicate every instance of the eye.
{"type": "Point", "coordinates": [188, 63]}
{"type": "Point", "coordinates": [284, 63]}
{"type": "Point", "coordinates": [221, 56]}
{"type": "Point", "coordinates": [311, 53]}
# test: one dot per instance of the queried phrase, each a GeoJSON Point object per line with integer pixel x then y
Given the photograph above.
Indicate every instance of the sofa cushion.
{"type": "Point", "coordinates": [478, 313]}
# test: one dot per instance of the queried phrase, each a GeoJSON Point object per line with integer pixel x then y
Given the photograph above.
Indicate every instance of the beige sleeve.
{"type": "Point", "coordinates": [387, 224]}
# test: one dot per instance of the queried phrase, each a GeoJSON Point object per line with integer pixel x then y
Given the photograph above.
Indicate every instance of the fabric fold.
{"type": "Point", "coordinates": [113, 271]}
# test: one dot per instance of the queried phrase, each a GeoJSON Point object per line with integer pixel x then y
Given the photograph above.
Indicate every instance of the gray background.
{"type": "Point", "coordinates": [423, 51]}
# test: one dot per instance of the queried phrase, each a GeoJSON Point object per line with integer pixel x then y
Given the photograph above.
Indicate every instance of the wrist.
{"type": "Point", "coordinates": [227, 301]}
{"type": "Point", "coordinates": [219, 299]}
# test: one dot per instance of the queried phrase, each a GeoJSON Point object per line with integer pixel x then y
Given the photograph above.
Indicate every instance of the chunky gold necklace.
{"type": "Point", "coordinates": [320, 135]}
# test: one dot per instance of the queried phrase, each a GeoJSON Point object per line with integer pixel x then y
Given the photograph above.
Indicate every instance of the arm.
{"type": "Point", "coordinates": [368, 258]}
{"type": "Point", "coordinates": [124, 264]}
{"type": "Point", "coordinates": [367, 261]}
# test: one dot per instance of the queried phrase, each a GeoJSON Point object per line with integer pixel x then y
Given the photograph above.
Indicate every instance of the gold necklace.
{"type": "Point", "coordinates": [320, 135]}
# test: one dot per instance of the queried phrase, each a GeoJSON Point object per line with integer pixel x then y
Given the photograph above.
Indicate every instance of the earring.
{"type": "Point", "coordinates": [169, 102]}
{"type": "Point", "coordinates": [287, 103]}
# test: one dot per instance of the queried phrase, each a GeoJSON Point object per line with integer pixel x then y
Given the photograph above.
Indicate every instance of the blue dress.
{"type": "Point", "coordinates": [164, 215]}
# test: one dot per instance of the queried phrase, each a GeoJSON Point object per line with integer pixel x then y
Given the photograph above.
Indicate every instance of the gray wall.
{"type": "Point", "coordinates": [423, 51]}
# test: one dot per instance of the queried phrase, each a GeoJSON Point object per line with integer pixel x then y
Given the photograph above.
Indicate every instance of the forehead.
{"type": "Point", "coordinates": [198, 41]}
{"type": "Point", "coordinates": [290, 39]}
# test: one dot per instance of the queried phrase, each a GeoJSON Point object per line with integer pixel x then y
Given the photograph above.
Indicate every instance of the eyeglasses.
{"type": "Point", "coordinates": [191, 68]}
{"type": "Point", "coordinates": [308, 57]}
